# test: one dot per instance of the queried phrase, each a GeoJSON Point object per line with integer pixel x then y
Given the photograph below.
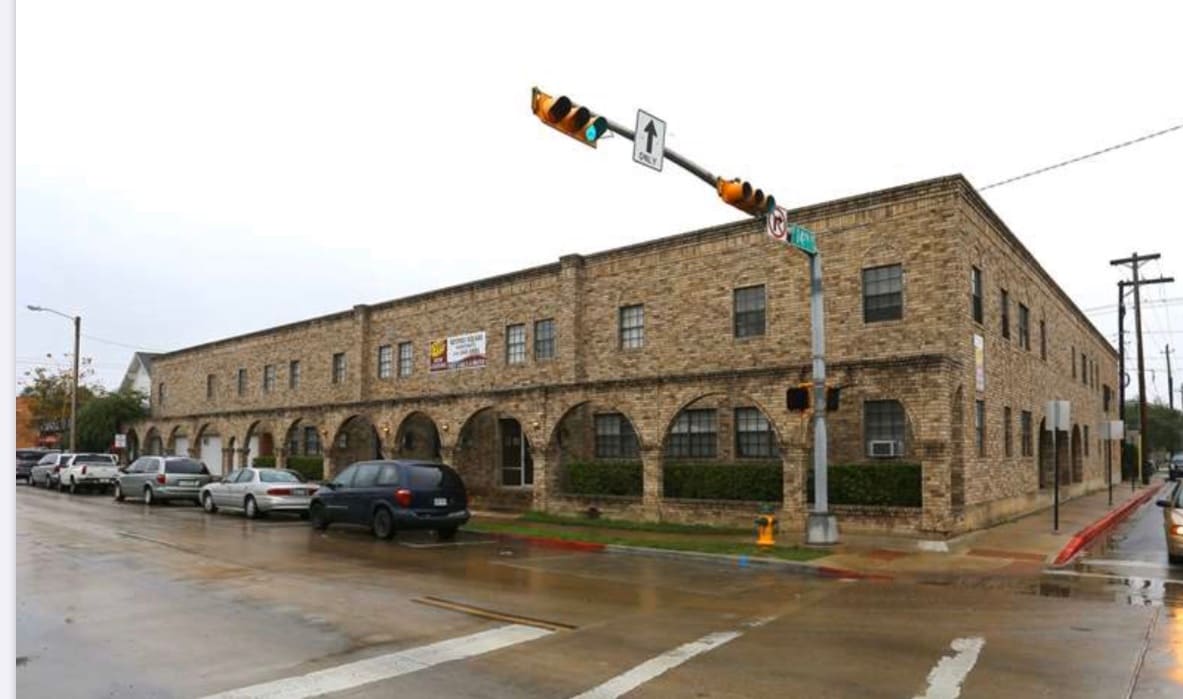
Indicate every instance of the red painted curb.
{"type": "Point", "coordinates": [846, 573]}
{"type": "Point", "coordinates": [1085, 536]}
{"type": "Point", "coordinates": [546, 542]}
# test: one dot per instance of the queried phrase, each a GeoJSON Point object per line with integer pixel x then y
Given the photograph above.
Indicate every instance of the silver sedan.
{"type": "Point", "coordinates": [257, 491]}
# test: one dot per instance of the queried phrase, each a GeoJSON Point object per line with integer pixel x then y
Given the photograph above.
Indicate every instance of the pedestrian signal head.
{"type": "Point", "coordinates": [562, 114]}
{"type": "Point", "coordinates": [744, 197]}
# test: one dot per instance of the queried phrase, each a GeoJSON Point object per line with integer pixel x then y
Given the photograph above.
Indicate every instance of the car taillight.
{"type": "Point", "coordinates": [1177, 530]}
{"type": "Point", "coordinates": [84, 469]}
{"type": "Point", "coordinates": [403, 497]}
{"type": "Point", "coordinates": [279, 491]}
{"type": "Point", "coordinates": [160, 478]}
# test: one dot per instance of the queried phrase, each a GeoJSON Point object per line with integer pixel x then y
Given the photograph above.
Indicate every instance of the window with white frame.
{"type": "Point", "coordinates": [544, 339]}
{"type": "Point", "coordinates": [268, 378]}
{"type": "Point", "coordinates": [405, 358]}
{"type": "Point", "coordinates": [385, 361]}
{"type": "Point", "coordinates": [749, 305]}
{"type": "Point", "coordinates": [754, 437]}
{"type": "Point", "coordinates": [632, 327]}
{"type": "Point", "coordinates": [515, 344]}
{"type": "Point", "coordinates": [339, 367]}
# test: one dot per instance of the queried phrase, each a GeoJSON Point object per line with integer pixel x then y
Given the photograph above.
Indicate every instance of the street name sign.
{"type": "Point", "coordinates": [649, 141]}
{"type": "Point", "coordinates": [801, 238]}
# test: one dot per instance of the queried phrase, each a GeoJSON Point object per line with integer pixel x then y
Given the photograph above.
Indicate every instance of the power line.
{"type": "Point", "coordinates": [1077, 159]}
{"type": "Point", "coordinates": [117, 344]}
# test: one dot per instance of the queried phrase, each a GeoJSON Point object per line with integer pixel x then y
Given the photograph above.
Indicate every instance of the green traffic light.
{"type": "Point", "coordinates": [595, 129]}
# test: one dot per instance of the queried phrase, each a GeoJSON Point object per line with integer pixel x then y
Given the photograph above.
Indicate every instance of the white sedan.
{"type": "Point", "coordinates": [257, 491]}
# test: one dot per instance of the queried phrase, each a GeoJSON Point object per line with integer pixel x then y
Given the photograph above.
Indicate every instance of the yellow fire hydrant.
{"type": "Point", "coordinates": [766, 529]}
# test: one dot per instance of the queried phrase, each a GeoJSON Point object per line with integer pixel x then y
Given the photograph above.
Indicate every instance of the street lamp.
{"type": "Point", "coordinates": [74, 390]}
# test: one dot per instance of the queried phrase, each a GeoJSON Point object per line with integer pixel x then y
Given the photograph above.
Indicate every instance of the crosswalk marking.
{"type": "Point", "coordinates": [944, 680]}
{"type": "Point", "coordinates": [639, 675]}
{"type": "Point", "coordinates": [342, 677]}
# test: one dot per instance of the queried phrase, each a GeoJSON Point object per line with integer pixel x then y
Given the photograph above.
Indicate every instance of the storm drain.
{"type": "Point", "coordinates": [493, 614]}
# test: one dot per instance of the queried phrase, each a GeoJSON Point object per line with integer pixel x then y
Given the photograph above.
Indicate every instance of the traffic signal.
{"type": "Point", "coordinates": [562, 114]}
{"type": "Point", "coordinates": [744, 197]}
{"type": "Point", "coordinates": [800, 398]}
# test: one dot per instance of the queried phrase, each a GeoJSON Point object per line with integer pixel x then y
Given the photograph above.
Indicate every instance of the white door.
{"type": "Point", "coordinates": [181, 446]}
{"type": "Point", "coordinates": [211, 454]}
{"type": "Point", "coordinates": [252, 450]}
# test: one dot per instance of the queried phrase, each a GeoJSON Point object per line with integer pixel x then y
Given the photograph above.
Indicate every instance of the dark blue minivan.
{"type": "Point", "coordinates": [390, 495]}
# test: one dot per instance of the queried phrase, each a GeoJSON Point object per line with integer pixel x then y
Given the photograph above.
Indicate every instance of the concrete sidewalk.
{"type": "Point", "coordinates": [1023, 546]}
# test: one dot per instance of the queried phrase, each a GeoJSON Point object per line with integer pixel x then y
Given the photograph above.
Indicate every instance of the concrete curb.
{"type": "Point", "coordinates": [1084, 537]}
{"type": "Point", "coordinates": [800, 567]}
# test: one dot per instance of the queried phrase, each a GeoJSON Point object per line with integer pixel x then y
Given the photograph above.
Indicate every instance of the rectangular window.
{"type": "Point", "coordinates": [1086, 440]}
{"type": "Point", "coordinates": [694, 435]}
{"type": "Point", "coordinates": [1025, 437]}
{"type": "Point", "coordinates": [615, 438]}
{"type": "Point", "coordinates": [515, 344]}
{"type": "Point", "coordinates": [1106, 397]}
{"type": "Point", "coordinates": [242, 382]}
{"type": "Point", "coordinates": [311, 441]}
{"type": "Point", "coordinates": [209, 386]}
{"type": "Point", "coordinates": [1006, 315]}
{"type": "Point", "coordinates": [544, 339]}
{"type": "Point", "coordinates": [405, 359]}
{"type": "Point", "coordinates": [339, 367]}
{"type": "Point", "coordinates": [1073, 362]}
{"type": "Point", "coordinates": [1043, 340]}
{"type": "Point", "coordinates": [294, 374]}
{"type": "Point", "coordinates": [1024, 327]}
{"type": "Point", "coordinates": [883, 421]}
{"type": "Point", "coordinates": [1006, 431]}
{"type": "Point", "coordinates": [632, 327]}
{"type": "Point", "coordinates": [753, 435]}
{"type": "Point", "coordinates": [883, 293]}
{"type": "Point", "coordinates": [160, 395]}
{"type": "Point", "coordinates": [749, 311]}
{"type": "Point", "coordinates": [385, 361]}
{"type": "Point", "coordinates": [980, 425]}
{"type": "Point", "coordinates": [268, 378]}
{"type": "Point", "coordinates": [1084, 369]}
{"type": "Point", "coordinates": [975, 289]}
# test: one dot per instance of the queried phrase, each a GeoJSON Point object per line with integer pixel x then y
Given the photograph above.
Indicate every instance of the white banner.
{"type": "Point", "coordinates": [458, 352]}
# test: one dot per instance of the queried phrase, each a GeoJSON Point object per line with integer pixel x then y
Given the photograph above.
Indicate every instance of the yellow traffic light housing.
{"type": "Point", "coordinates": [744, 197]}
{"type": "Point", "coordinates": [561, 114]}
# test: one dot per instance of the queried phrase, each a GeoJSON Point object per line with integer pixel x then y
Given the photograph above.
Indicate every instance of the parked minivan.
{"type": "Point", "coordinates": [390, 495]}
{"type": "Point", "coordinates": [162, 478]}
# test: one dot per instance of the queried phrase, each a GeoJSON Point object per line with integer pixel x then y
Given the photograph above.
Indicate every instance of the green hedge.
{"type": "Point", "coordinates": [722, 481]}
{"type": "Point", "coordinates": [604, 478]}
{"type": "Point", "coordinates": [877, 484]}
{"type": "Point", "coordinates": [311, 467]}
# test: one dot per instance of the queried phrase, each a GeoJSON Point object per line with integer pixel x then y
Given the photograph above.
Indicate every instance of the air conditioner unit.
{"type": "Point", "coordinates": [884, 448]}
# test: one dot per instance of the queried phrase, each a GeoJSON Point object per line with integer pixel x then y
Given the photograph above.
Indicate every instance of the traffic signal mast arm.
{"type": "Point", "coordinates": [579, 123]}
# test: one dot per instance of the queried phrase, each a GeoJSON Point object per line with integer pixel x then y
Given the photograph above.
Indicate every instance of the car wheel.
{"type": "Point", "coordinates": [319, 519]}
{"type": "Point", "coordinates": [250, 508]}
{"type": "Point", "coordinates": [73, 487]}
{"type": "Point", "coordinates": [207, 503]}
{"type": "Point", "coordinates": [382, 523]}
{"type": "Point", "coordinates": [303, 515]}
{"type": "Point", "coordinates": [149, 497]}
{"type": "Point", "coordinates": [1175, 559]}
{"type": "Point", "coordinates": [446, 534]}
{"type": "Point", "coordinates": [118, 493]}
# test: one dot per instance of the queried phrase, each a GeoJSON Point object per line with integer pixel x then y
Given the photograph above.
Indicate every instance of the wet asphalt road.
{"type": "Point", "coordinates": [126, 601]}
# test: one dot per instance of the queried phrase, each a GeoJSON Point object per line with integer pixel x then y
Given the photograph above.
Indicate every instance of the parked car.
{"type": "Point", "coordinates": [1175, 467]}
{"type": "Point", "coordinates": [390, 495]}
{"type": "Point", "coordinates": [26, 459]}
{"type": "Point", "coordinates": [257, 491]}
{"type": "Point", "coordinates": [45, 473]}
{"type": "Point", "coordinates": [158, 479]}
{"type": "Point", "coordinates": [88, 472]}
{"type": "Point", "coordinates": [1172, 522]}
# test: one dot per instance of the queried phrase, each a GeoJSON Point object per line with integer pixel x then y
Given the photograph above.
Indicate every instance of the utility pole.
{"type": "Point", "coordinates": [1121, 375]}
{"type": "Point", "coordinates": [1134, 261]}
{"type": "Point", "coordinates": [1170, 379]}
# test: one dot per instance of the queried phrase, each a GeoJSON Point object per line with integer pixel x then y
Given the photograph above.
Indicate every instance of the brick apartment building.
{"type": "Point", "coordinates": [680, 350]}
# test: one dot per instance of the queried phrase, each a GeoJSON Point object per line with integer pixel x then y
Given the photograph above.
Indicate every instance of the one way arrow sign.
{"type": "Point", "coordinates": [649, 141]}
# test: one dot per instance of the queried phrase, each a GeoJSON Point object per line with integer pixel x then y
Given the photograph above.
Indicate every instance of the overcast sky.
{"type": "Point", "coordinates": [188, 171]}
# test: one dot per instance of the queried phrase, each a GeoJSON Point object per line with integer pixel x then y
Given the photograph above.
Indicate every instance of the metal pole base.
{"type": "Point", "coordinates": [821, 529]}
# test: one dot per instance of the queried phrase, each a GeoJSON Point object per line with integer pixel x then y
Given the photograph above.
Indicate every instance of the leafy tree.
{"type": "Point", "coordinates": [103, 415]}
{"type": "Point", "coordinates": [1165, 432]}
{"type": "Point", "coordinates": [50, 387]}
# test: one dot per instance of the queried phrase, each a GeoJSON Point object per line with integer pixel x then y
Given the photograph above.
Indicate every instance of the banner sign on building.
{"type": "Point", "coordinates": [458, 352]}
{"type": "Point", "coordinates": [980, 362]}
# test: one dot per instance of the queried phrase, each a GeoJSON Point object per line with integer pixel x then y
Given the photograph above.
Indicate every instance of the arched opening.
{"type": "Point", "coordinates": [303, 440]}
{"type": "Point", "coordinates": [417, 438]}
{"type": "Point", "coordinates": [494, 457]}
{"type": "Point", "coordinates": [1047, 465]}
{"type": "Point", "coordinates": [594, 451]}
{"type": "Point", "coordinates": [178, 442]}
{"type": "Point", "coordinates": [1077, 456]}
{"type": "Point", "coordinates": [209, 446]}
{"type": "Point", "coordinates": [722, 447]}
{"type": "Point", "coordinates": [132, 450]}
{"type": "Point", "coordinates": [356, 440]}
{"type": "Point", "coordinates": [1063, 456]}
{"type": "Point", "coordinates": [234, 463]}
{"type": "Point", "coordinates": [153, 444]}
{"type": "Point", "coordinates": [259, 443]}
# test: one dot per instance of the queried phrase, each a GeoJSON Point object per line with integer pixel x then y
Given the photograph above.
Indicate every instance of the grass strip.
{"type": "Point", "coordinates": [628, 525]}
{"type": "Point", "coordinates": [701, 545]}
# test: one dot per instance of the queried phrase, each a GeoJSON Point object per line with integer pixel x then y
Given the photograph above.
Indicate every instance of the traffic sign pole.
{"type": "Point", "coordinates": [822, 526]}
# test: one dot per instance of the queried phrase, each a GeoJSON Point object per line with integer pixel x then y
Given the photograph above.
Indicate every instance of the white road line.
{"type": "Point", "coordinates": [944, 680]}
{"type": "Point", "coordinates": [1109, 576]}
{"type": "Point", "coordinates": [383, 667]}
{"type": "Point", "coordinates": [653, 667]}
